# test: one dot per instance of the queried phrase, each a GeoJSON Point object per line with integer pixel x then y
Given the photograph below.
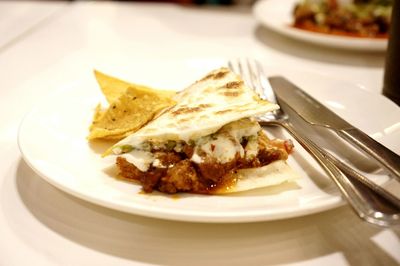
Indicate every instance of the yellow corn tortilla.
{"type": "Point", "coordinates": [131, 107]}
{"type": "Point", "coordinates": [113, 87]}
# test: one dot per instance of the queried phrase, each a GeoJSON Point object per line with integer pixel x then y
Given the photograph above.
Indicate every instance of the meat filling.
{"type": "Point", "coordinates": [176, 172]}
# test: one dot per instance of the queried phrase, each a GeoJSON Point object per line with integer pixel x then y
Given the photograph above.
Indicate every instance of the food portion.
{"type": "Point", "coordinates": [207, 143]}
{"type": "Point", "coordinates": [358, 18]}
{"type": "Point", "coordinates": [210, 164]}
{"type": "Point", "coordinates": [130, 107]}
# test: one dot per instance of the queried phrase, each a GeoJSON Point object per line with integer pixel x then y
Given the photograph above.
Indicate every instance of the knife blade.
{"type": "Point", "coordinates": [314, 112]}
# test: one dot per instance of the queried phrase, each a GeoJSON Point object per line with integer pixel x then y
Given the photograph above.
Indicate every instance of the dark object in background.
{"type": "Point", "coordinates": [212, 2]}
{"type": "Point", "coordinates": [194, 2]}
{"type": "Point", "coordinates": [391, 80]}
{"type": "Point", "coordinates": [380, 2]}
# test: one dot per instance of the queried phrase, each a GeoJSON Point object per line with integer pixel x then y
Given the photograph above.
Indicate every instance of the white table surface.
{"type": "Point", "coordinates": [45, 44]}
{"type": "Point", "coordinates": [17, 21]}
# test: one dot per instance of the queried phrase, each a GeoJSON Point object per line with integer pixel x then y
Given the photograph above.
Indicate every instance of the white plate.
{"type": "Point", "coordinates": [52, 141]}
{"type": "Point", "coordinates": [277, 15]}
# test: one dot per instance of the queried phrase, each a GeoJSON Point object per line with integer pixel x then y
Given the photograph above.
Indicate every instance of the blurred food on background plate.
{"type": "Point", "coordinates": [357, 18]}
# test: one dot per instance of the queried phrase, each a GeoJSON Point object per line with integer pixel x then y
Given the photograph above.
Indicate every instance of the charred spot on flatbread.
{"type": "Point", "coordinates": [234, 84]}
{"type": "Point", "coordinates": [223, 111]}
{"type": "Point", "coordinates": [220, 74]}
{"type": "Point", "coordinates": [232, 93]}
{"type": "Point", "coordinates": [188, 109]}
{"type": "Point", "coordinates": [185, 110]}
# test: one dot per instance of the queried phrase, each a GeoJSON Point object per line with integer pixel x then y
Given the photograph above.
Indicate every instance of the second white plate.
{"type": "Point", "coordinates": [277, 15]}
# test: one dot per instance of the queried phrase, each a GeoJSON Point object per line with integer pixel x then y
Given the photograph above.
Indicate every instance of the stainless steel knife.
{"type": "Point", "coordinates": [316, 113]}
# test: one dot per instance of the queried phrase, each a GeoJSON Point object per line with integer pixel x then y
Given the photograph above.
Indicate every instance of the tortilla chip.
{"type": "Point", "coordinates": [113, 88]}
{"type": "Point", "coordinates": [131, 107]}
{"type": "Point", "coordinates": [129, 112]}
{"type": "Point", "coordinates": [98, 113]}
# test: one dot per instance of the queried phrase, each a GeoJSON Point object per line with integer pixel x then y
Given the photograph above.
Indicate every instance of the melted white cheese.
{"type": "Point", "coordinates": [141, 159]}
{"type": "Point", "coordinates": [251, 149]}
{"type": "Point", "coordinates": [223, 148]}
{"type": "Point", "coordinates": [196, 158]}
{"type": "Point", "coordinates": [225, 144]}
{"type": "Point", "coordinates": [242, 128]}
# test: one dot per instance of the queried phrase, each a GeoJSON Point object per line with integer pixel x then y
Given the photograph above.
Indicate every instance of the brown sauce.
{"type": "Point", "coordinates": [182, 175]}
{"type": "Point", "coordinates": [337, 32]}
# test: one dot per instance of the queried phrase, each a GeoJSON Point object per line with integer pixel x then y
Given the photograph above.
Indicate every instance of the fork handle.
{"type": "Point", "coordinates": [363, 200]}
{"type": "Point", "coordinates": [387, 158]}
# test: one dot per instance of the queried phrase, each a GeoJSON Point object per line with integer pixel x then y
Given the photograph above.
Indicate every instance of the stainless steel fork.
{"type": "Point", "coordinates": [368, 205]}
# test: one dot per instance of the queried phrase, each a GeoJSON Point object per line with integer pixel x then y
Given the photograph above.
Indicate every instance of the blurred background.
{"type": "Point", "coordinates": [187, 2]}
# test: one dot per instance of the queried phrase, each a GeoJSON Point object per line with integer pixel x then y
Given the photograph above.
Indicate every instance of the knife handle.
{"type": "Point", "coordinates": [387, 158]}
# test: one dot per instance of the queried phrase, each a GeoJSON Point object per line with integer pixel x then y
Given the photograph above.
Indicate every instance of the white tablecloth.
{"type": "Point", "coordinates": [45, 44]}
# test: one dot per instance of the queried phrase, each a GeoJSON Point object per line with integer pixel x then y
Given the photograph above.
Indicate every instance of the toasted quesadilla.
{"type": "Point", "coordinates": [208, 143]}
